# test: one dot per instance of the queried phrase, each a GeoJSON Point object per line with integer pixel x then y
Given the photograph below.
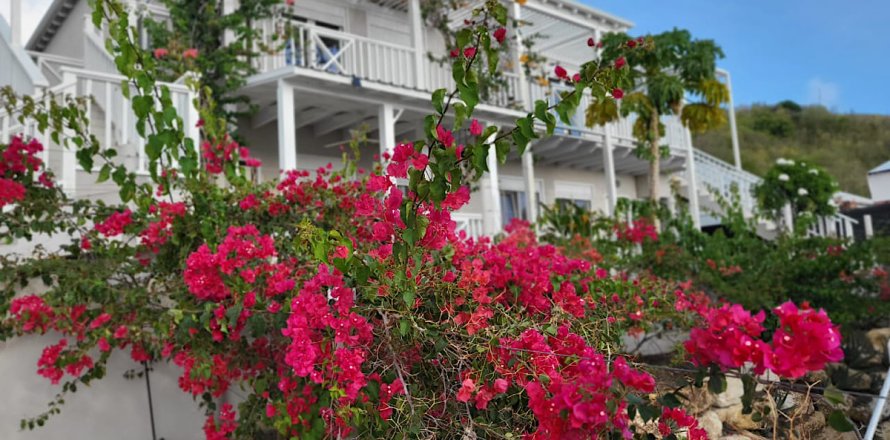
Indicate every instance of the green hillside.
{"type": "Point", "coordinates": [847, 145]}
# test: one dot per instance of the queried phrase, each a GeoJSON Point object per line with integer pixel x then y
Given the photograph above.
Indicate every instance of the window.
{"type": "Point", "coordinates": [581, 203]}
{"type": "Point", "coordinates": [578, 194]}
{"type": "Point", "coordinates": [514, 199]}
{"type": "Point", "coordinates": [514, 204]}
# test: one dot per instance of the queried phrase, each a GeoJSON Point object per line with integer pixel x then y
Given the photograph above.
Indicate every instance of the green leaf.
{"type": "Point", "coordinates": [460, 115]}
{"type": "Point", "coordinates": [839, 422]}
{"type": "Point", "coordinates": [834, 395]}
{"type": "Point", "coordinates": [104, 173]}
{"type": "Point", "coordinates": [463, 37]}
{"type": "Point", "coordinates": [716, 382]}
{"type": "Point", "coordinates": [439, 100]}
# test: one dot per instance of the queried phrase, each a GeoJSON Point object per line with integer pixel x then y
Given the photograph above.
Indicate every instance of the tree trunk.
{"type": "Point", "coordinates": [655, 162]}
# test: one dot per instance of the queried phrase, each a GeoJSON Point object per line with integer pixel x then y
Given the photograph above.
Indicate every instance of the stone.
{"type": "Point", "coordinates": [734, 418]}
{"type": "Point", "coordinates": [878, 338]}
{"type": "Point", "coordinates": [698, 400]}
{"type": "Point", "coordinates": [811, 423]}
{"type": "Point", "coordinates": [710, 422]}
{"type": "Point", "coordinates": [859, 380]}
{"type": "Point", "coordinates": [732, 396]}
{"type": "Point", "coordinates": [883, 431]}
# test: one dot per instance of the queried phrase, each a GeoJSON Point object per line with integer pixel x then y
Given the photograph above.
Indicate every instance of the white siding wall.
{"type": "Point", "coordinates": [879, 185]}
{"type": "Point", "coordinates": [16, 69]}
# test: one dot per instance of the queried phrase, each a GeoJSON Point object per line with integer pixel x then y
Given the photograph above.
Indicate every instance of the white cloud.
{"type": "Point", "coordinates": [822, 92]}
{"type": "Point", "coordinates": [32, 12]}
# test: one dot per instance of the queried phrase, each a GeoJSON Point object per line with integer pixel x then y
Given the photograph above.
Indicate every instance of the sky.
{"type": "Point", "coordinates": [830, 52]}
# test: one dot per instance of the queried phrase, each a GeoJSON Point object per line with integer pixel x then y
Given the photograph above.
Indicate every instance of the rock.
{"type": "Point", "coordinates": [734, 418]}
{"type": "Point", "coordinates": [711, 423]}
{"type": "Point", "coordinates": [830, 434]}
{"type": "Point", "coordinates": [878, 338]}
{"type": "Point", "coordinates": [859, 380]}
{"type": "Point", "coordinates": [732, 396]}
{"type": "Point", "coordinates": [883, 431]}
{"type": "Point", "coordinates": [698, 400]}
{"type": "Point", "coordinates": [811, 423]}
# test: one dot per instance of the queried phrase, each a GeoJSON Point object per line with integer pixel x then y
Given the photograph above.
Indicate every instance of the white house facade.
{"type": "Point", "coordinates": [352, 63]}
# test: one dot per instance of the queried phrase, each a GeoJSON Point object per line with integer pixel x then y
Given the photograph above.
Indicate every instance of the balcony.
{"type": "Point", "coordinates": [362, 59]}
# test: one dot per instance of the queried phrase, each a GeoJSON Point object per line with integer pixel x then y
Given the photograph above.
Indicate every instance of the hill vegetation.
{"type": "Point", "coordinates": [846, 145]}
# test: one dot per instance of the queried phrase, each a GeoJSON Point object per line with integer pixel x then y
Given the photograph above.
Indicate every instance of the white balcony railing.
{"type": "Point", "coordinates": [714, 174]}
{"type": "Point", "coordinates": [111, 120]}
{"type": "Point", "coordinates": [336, 52]}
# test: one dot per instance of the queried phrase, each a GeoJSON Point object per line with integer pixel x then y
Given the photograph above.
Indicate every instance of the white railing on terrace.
{"type": "Point", "coordinates": [838, 226]}
{"type": "Point", "coordinates": [337, 52]}
{"type": "Point", "coordinates": [714, 174]}
{"type": "Point", "coordinates": [111, 120]}
{"type": "Point", "coordinates": [471, 224]}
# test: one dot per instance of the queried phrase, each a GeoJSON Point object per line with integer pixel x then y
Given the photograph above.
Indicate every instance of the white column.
{"type": "Point", "coordinates": [229, 7]}
{"type": "Point", "coordinates": [733, 129]}
{"type": "Point", "coordinates": [417, 28]}
{"type": "Point", "coordinates": [788, 218]}
{"type": "Point", "coordinates": [287, 127]}
{"type": "Point", "coordinates": [869, 229]}
{"type": "Point", "coordinates": [15, 22]}
{"type": "Point", "coordinates": [524, 92]}
{"type": "Point", "coordinates": [692, 182]}
{"type": "Point", "coordinates": [386, 127]}
{"type": "Point", "coordinates": [69, 149]}
{"type": "Point", "coordinates": [531, 187]}
{"type": "Point", "coordinates": [491, 194]}
{"type": "Point", "coordinates": [609, 165]}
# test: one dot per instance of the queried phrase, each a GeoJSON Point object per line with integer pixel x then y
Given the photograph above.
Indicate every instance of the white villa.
{"type": "Point", "coordinates": [363, 63]}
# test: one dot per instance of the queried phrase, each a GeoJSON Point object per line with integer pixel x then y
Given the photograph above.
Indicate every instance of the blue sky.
{"type": "Point", "coordinates": [785, 49]}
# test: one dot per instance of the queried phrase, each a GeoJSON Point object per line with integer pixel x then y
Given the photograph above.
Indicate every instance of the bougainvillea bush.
{"type": "Point", "coordinates": [346, 307]}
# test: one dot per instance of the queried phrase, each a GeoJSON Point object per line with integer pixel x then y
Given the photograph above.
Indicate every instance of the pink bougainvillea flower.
{"type": "Point", "coordinates": [560, 72]}
{"type": "Point", "coordinates": [620, 62]}
{"type": "Point", "coordinates": [476, 128]}
{"type": "Point", "coordinates": [190, 53]}
{"type": "Point", "coordinates": [617, 93]}
{"type": "Point", "coordinates": [500, 34]}
{"type": "Point", "coordinates": [161, 52]}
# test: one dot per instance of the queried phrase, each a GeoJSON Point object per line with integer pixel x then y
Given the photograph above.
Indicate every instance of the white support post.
{"type": "Point", "coordinates": [788, 218]}
{"type": "Point", "coordinates": [692, 182]}
{"type": "Point", "coordinates": [609, 164]}
{"type": "Point", "coordinates": [15, 22]}
{"type": "Point", "coordinates": [194, 132]}
{"type": "Point", "coordinates": [229, 7]}
{"type": "Point", "coordinates": [733, 129]}
{"type": "Point", "coordinates": [491, 194]}
{"type": "Point", "coordinates": [287, 127]}
{"type": "Point", "coordinates": [869, 228]}
{"type": "Point", "coordinates": [69, 155]}
{"type": "Point", "coordinates": [417, 29]}
{"type": "Point", "coordinates": [386, 128]}
{"type": "Point", "coordinates": [523, 84]}
{"type": "Point", "coordinates": [531, 188]}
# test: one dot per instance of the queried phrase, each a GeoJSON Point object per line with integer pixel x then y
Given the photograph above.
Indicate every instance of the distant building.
{"type": "Point", "coordinates": [879, 183]}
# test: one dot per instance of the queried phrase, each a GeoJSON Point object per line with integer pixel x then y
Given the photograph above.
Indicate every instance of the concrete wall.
{"type": "Point", "coordinates": [111, 409]}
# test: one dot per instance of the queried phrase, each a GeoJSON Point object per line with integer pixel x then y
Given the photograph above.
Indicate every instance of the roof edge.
{"type": "Point", "coordinates": [25, 61]}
